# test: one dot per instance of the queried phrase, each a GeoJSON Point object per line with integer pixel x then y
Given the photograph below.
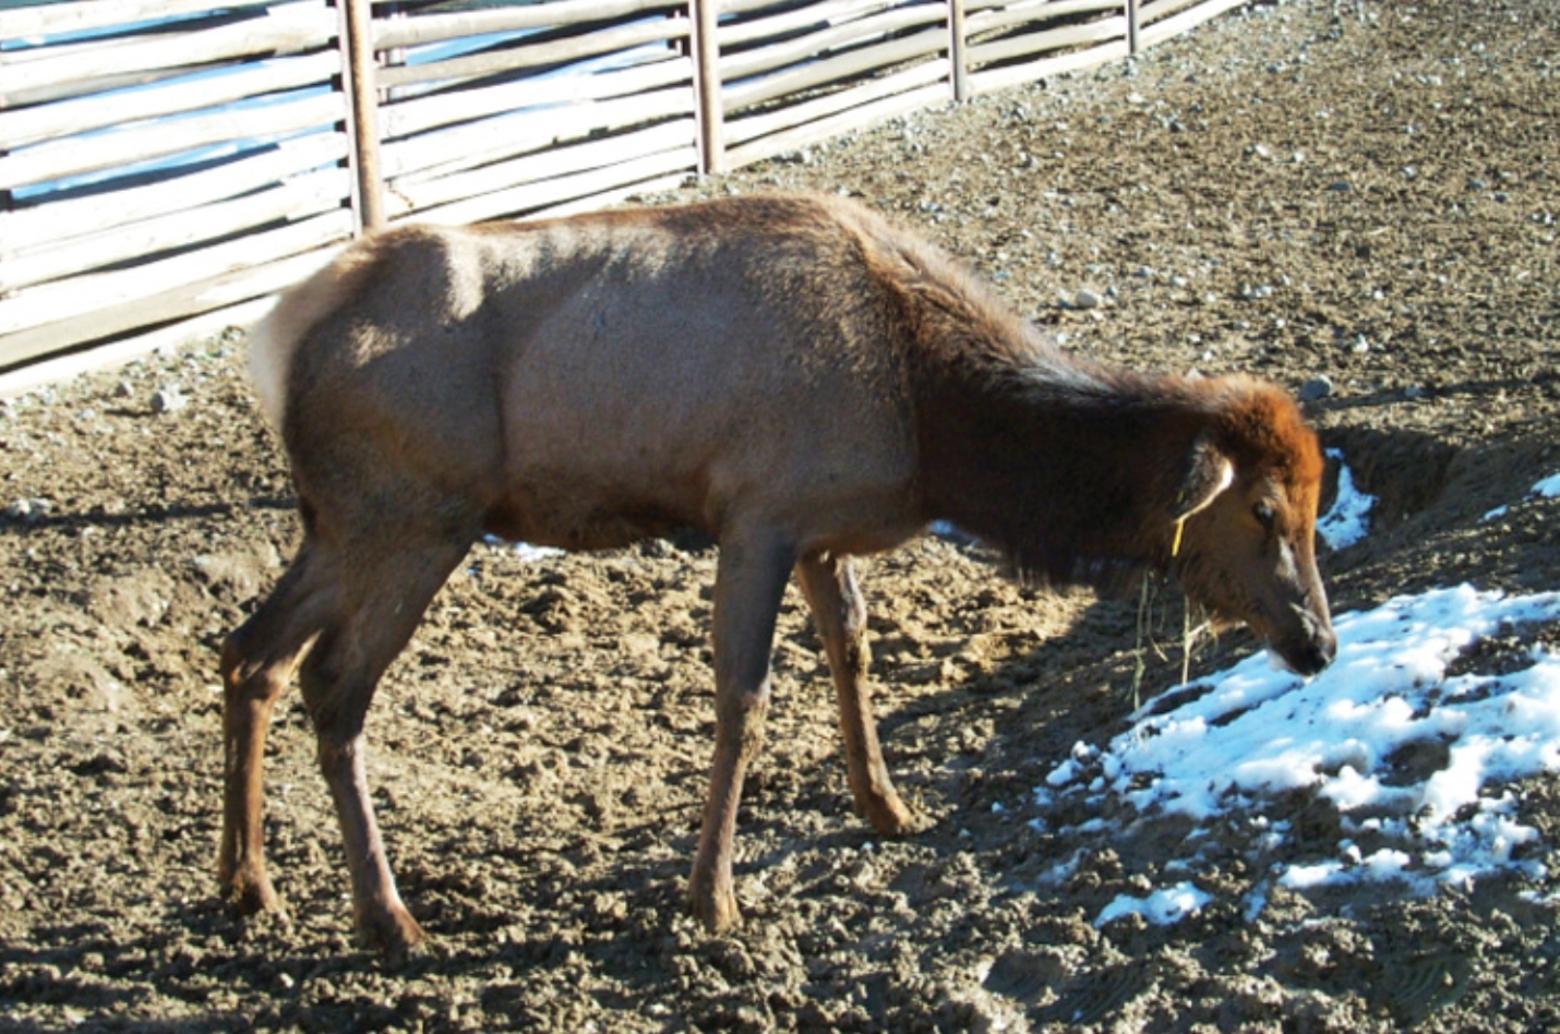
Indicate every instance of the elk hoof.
{"type": "Point", "coordinates": [887, 814]}
{"type": "Point", "coordinates": [715, 907]}
{"type": "Point", "coordinates": [393, 933]}
{"type": "Point", "coordinates": [250, 892]}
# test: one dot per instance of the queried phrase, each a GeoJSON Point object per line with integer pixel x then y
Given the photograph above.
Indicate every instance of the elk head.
{"type": "Point", "coordinates": [1243, 530]}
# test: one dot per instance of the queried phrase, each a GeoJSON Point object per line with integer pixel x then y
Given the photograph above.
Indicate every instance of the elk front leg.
{"type": "Point", "coordinates": [749, 582]}
{"type": "Point", "coordinates": [829, 583]}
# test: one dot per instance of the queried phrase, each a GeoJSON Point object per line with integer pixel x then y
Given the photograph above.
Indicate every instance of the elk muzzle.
{"type": "Point", "coordinates": [1312, 647]}
{"type": "Point", "coordinates": [1299, 626]}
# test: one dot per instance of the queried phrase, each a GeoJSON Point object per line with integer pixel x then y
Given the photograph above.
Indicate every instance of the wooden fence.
{"type": "Point", "coordinates": [175, 162]}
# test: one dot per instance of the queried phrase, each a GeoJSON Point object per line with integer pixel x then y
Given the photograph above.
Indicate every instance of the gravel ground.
{"type": "Point", "coordinates": [1355, 199]}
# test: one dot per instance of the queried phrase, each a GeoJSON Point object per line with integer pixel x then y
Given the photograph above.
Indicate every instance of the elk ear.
{"type": "Point", "coordinates": [1209, 472]}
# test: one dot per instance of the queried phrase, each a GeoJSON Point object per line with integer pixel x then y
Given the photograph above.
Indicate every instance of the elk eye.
{"type": "Point", "coordinates": [1263, 512]}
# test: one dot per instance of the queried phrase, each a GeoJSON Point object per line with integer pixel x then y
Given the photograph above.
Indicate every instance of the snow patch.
{"type": "Point", "coordinates": [1547, 488]}
{"type": "Point", "coordinates": [524, 550]}
{"type": "Point", "coordinates": [1348, 520]}
{"type": "Point", "coordinates": [1162, 907]}
{"type": "Point", "coordinates": [1416, 761]}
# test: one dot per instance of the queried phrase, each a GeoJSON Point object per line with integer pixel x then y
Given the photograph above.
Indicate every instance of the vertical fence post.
{"type": "Point", "coordinates": [358, 81]}
{"type": "Point", "coordinates": [709, 109]}
{"type": "Point", "coordinates": [1132, 26]}
{"type": "Point", "coordinates": [960, 71]}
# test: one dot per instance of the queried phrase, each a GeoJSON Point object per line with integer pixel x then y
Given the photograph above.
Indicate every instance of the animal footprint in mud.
{"type": "Point", "coordinates": [1418, 987]}
{"type": "Point", "coordinates": [1098, 996]}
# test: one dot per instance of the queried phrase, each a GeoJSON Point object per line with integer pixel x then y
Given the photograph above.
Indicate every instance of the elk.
{"type": "Point", "coordinates": [792, 375]}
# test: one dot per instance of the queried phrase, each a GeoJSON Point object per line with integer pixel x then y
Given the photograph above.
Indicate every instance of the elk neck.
{"type": "Point", "coordinates": [1068, 468]}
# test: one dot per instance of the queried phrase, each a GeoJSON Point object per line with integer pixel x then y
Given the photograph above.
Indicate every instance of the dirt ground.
{"type": "Point", "coordinates": [1365, 192]}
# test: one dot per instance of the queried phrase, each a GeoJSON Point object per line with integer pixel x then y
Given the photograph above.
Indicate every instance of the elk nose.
{"type": "Point", "coordinates": [1319, 652]}
{"type": "Point", "coordinates": [1315, 646]}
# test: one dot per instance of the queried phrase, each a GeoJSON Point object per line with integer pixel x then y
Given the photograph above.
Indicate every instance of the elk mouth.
{"type": "Point", "coordinates": [1309, 657]}
{"type": "Point", "coordinates": [1308, 649]}
{"type": "Point", "coordinates": [1303, 640]}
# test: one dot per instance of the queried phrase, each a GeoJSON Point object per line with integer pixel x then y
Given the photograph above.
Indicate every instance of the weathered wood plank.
{"type": "Point", "coordinates": [71, 298]}
{"type": "Point", "coordinates": [1047, 40]}
{"type": "Point", "coordinates": [30, 125]}
{"type": "Point", "coordinates": [1030, 71]}
{"type": "Point", "coordinates": [261, 278]}
{"type": "Point", "coordinates": [601, 199]}
{"type": "Point", "coordinates": [813, 45]}
{"type": "Point", "coordinates": [72, 156]}
{"type": "Point", "coordinates": [1168, 28]}
{"type": "Point", "coordinates": [626, 177]}
{"type": "Point", "coordinates": [285, 28]}
{"type": "Point", "coordinates": [299, 198]}
{"type": "Point", "coordinates": [61, 220]}
{"type": "Point", "coordinates": [49, 369]}
{"type": "Point", "coordinates": [812, 16]}
{"type": "Point", "coordinates": [55, 92]}
{"type": "Point", "coordinates": [752, 127]}
{"type": "Point", "coordinates": [546, 164]}
{"type": "Point", "coordinates": [55, 19]}
{"type": "Point", "coordinates": [832, 126]}
{"type": "Point", "coordinates": [992, 20]}
{"type": "Point", "coordinates": [739, 7]}
{"type": "Point", "coordinates": [404, 118]}
{"type": "Point", "coordinates": [460, 147]}
{"type": "Point", "coordinates": [1040, 10]}
{"type": "Point", "coordinates": [1151, 11]}
{"type": "Point", "coordinates": [843, 66]}
{"type": "Point", "coordinates": [432, 28]}
{"type": "Point", "coordinates": [532, 55]}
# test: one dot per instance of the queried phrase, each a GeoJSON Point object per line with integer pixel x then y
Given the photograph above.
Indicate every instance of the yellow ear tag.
{"type": "Point", "coordinates": [1175, 546]}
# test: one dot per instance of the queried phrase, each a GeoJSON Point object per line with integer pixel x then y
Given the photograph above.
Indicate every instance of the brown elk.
{"type": "Point", "coordinates": [792, 375]}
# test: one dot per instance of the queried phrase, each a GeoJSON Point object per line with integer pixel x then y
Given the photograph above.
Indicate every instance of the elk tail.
{"type": "Point", "coordinates": [274, 339]}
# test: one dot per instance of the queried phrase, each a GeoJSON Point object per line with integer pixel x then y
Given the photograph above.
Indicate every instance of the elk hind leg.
{"type": "Point", "coordinates": [384, 599]}
{"type": "Point", "coordinates": [258, 661]}
{"type": "Point", "coordinates": [840, 613]}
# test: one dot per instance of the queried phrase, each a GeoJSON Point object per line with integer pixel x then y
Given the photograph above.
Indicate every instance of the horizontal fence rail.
{"type": "Point", "coordinates": [515, 110]}
{"type": "Point", "coordinates": [792, 76]}
{"type": "Point", "coordinates": [162, 160]}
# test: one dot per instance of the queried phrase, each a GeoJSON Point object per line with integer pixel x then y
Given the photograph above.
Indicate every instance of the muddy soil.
{"type": "Point", "coordinates": [1365, 192]}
